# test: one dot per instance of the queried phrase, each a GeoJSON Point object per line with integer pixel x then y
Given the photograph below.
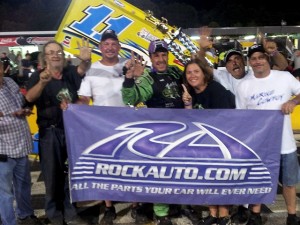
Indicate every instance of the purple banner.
{"type": "Point", "coordinates": [175, 156]}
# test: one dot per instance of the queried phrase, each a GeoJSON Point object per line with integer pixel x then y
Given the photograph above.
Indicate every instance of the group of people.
{"type": "Point", "coordinates": [17, 67]}
{"type": "Point", "coordinates": [115, 81]}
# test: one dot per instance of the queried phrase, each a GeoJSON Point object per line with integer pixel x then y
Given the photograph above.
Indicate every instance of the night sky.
{"type": "Point", "coordinates": [268, 12]}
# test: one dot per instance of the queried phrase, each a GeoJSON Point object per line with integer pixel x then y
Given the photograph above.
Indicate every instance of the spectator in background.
{"type": "Point", "coordinates": [26, 68]}
{"type": "Point", "coordinates": [15, 145]}
{"type": "Point", "coordinates": [296, 64]}
{"type": "Point", "coordinates": [40, 62]}
{"type": "Point", "coordinates": [280, 86]}
{"type": "Point", "coordinates": [69, 60]}
{"type": "Point", "coordinates": [12, 56]}
{"type": "Point", "coordinates": [6, 64]}
{"type": "Point", "coordinates": [277, 60]}
{"type": "Point", "coordinates": [48, 89]}
{"type": "Point", "coordinates": [19, 61]}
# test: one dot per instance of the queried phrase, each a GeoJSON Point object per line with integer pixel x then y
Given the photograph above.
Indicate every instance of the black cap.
{"type": "Point", "coordinates": [255, 48]}
{"type": "Point", "coordinates": [109, 34]}
{"type": "Point", "coordinates": [231, 52]}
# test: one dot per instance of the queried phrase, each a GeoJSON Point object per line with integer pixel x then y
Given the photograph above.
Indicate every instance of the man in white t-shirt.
{"type": "Point", "coordinates": [235, 70]}
{"type": "Point", "coordinates": [230, 78]}
{"type": "Point", "coordinates": [102, 84]}
{"type": "Point", "coordinates": [272, 90]}
{"type": "Point", "coordinates": [234, 63]}
{"type": "Point", "coordinates": [103, 81]}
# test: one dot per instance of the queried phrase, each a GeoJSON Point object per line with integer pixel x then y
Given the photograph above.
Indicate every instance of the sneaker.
{"type": "Point", "coordinates": [163, 220]}
{"type": "Point", "coordinates": [109, 215]}
{"type": "Point", "coordinates": [138, 213]}
{"type": "Point", "coordinates": [225, 221]}
{"type": "Point", "coordinates": [254, 220]}
{"type": "Point", "coordinates": [293, 220]}
{"type": "Point", "coordinates": [30, 220]}
{"type": "Point", "coordinates": [174, 211]}
{"type": "Point", "coordinates": [241, 216]}
{"type": "Point", "coordinates": [191, 214]}
{"type": "Point", "coordinates": [210, 220]}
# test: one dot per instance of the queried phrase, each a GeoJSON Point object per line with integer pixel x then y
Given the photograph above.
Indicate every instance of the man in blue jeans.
{"type": "Point", "coordinates": [15, 145]}
{"type": "Point", "coordinates": [272, 90]}
{"type": "Point", "coordinates": [47, 89]}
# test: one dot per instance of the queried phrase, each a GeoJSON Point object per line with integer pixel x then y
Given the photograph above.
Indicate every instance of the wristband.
{"type": "Point", "coordinates": [124, 69]}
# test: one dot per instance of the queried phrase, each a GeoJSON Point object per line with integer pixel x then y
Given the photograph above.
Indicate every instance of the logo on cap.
{"type": "Point", "coordinates": [158, 46]}
{"type": "Point", "coordinates": [255, 48]}
{"type": "Point", "coordinates": [109, 34]}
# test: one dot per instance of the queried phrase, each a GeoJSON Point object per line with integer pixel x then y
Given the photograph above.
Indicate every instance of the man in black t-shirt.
{"type": "Point", "coordinates": [48, 89]}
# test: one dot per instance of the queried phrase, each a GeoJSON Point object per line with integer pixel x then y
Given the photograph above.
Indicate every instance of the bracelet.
{"type": "Point", "coordinates": [273, 53]}
{"type": "Point", "coordinates": [294, 101]}
{"type": "Point", "coordinates": [187, 103]}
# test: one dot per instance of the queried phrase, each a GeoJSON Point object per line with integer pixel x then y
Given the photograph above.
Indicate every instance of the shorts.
{"type": "Point", "coordinates": [289, 169]}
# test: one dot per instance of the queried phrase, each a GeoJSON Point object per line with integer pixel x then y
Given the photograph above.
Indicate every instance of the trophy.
{"type": "Point", "coordinates": [179, 44]}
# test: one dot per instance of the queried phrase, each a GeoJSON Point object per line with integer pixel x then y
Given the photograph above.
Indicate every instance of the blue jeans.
{"type": "Point", "coordinates": [289, 168]}
{"type": "Point", "coordinates": [53, 156]}
{"type": "Point", "coordinates": [15, 184]}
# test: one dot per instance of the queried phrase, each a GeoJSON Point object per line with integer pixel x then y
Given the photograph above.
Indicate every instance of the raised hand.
{"type": "Point", "coordinates": [205, 41]}
{"type": "Point", "coordinates": [45, 76]}
{"type": "Point", "coordinates": [84, 50]}
{"type": "Point", "coordinates": [129, 66]}
{"type": "Point", "coordinates": [139, 66]}
{"type": "Point", "coordinates": [186, 97]}
{"type": "Point", "coordinates": [135, 66]}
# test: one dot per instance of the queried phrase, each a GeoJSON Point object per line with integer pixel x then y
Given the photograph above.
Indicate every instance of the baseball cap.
{"type": "Point", "coordinates": [231, 52]}
{"type": "Point", "coordinates": [255, 48]}
{"type": "Point", "coordinates": [109, 34]}
{"type": "Point", "coordinates": [158, 46]}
